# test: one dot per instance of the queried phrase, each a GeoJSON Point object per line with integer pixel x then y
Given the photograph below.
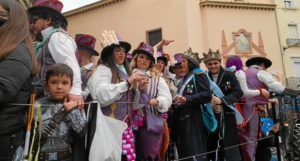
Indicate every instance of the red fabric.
{"type": "Point", "coordinates": [239, 106]}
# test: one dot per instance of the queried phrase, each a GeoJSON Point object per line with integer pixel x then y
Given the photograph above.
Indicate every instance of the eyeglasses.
{"type": "Point", "coordinates": [4, 14]}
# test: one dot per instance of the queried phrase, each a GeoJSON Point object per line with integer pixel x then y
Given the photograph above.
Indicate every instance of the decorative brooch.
{"type": "Point", "coordinates": [189, 89]}
{"type": "Point", "coordinates": [227, 85]}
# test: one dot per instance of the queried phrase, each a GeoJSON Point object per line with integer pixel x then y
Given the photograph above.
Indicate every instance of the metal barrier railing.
{"type": "Point", "coordinates": [286, 114]}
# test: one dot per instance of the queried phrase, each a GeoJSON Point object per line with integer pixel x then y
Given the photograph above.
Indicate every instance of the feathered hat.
{"type": "Point", "coordinates": [193, 57]}
{"type": "Point", "coordinates": [110, 40]}
{"type": "Point", "coordinates": [211, 56]}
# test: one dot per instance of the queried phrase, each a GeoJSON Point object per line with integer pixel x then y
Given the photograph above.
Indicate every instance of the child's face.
{"type": "Point", "coordinates": [59, 86]}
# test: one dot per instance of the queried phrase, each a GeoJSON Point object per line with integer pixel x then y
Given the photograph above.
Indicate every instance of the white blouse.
{"type": "Point", "coordinates": [105, 92]}
{"type": "Point", "coordinates": [241, 76]}
{"type": "Point", "coordinates": [164, 95]}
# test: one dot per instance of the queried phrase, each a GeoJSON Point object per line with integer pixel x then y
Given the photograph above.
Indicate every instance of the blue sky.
{"type": "Point", "coordinates": [72, 4]}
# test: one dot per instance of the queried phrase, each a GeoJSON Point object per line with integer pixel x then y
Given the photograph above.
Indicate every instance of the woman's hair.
{"type": "Point", "coordinates": [234, 61]}
{"type": "Point", "coordinates": [59, 70]}
{"type": "Point", "coordinates": [191, 66]}
{"type": "Point", "coordinates": [55, 21]}
{"type": "Point", "coordinates": [15, 31]}
{"type": "Point", "coordinates": [153, 71]}
{"type": "Point", "coordinates": [110, 63]}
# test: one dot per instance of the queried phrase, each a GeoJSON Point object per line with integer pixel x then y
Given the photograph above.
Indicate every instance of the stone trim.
{"type": "Point", "coordinates": [237, 5]}
{"type": "Point", "coordinates": [90, 7]}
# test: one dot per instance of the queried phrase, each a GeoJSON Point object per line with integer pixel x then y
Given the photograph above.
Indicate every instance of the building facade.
{"type": "Point", "coordinates": [288, 17]}
{"type": "Point", "coordinates": [246, 28]}
{"type": "Point", "coordinates": [27, 3]}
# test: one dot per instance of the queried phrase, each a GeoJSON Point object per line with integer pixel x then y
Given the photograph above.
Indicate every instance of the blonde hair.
{"type": "Point", "coordinates": [152, 70]}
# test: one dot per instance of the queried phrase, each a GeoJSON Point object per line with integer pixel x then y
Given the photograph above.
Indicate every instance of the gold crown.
{"type": "Point", "coordinates": [212, 56]}
{"type": "Point", "coordinates": [193, 57]}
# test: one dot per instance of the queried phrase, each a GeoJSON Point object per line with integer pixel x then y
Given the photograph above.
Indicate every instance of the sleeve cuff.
{"type": "Point", "coordinates": [124, 86]}
{"type": "Point", "coordinates": [188, 99]}
{"type": "Point", "coordinates": [75, 91]}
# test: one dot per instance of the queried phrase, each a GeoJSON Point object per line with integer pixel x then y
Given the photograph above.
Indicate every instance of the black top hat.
{"type": "Point", "coordinates": [259, 60]}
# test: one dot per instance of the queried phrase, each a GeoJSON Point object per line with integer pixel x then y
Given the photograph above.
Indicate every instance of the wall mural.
{"type": "Point", "coordinates": [243, 45]}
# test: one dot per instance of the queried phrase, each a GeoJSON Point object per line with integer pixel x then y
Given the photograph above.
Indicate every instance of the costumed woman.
{"type": "Point", "coordinates": [167, 149]}
{"type": "Point", "coordinates": [110, 84]}
{"type": "Point", "coordinates": [18, 66]}
{"type": "Point", "coordinates": [194, 91]}
{"type": "Point", "coordinates": [248, 131]}
{"type": "Point", "coordinates": [148, 120]}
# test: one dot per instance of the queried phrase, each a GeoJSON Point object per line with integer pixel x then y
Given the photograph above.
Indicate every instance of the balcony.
{"type": "Point", "coordinates": [293, 83]}
{"type": "Point", "coordinates": [292, 42]}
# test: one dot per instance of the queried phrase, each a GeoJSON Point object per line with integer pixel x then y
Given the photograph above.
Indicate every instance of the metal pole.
{"type": "Point", "coordinates": [277, 134]}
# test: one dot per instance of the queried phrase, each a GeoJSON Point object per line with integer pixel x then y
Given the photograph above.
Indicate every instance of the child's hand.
{"type": "Point", "coordinates": [275, 128]}
{"type": "Point", "coordinates": [69, 105]}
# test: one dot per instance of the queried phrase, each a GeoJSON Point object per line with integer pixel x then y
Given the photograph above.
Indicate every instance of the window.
{"type": "Point", "coordinates": [293, 31]}
{"type": "Point", "coordinates": [289, 3]}
{"type": "Point", "coordinates": [154, 37]}
{"type": "Point", "coordinates": [296, 68]}
{"type": "Point", "coordinates": [296, 80]}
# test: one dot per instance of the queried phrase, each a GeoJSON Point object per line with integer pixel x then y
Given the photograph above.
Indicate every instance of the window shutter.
{"type": "Point", "coordinates": [297, 69]}
{"type": "Point", "coordinates": [293, 32]}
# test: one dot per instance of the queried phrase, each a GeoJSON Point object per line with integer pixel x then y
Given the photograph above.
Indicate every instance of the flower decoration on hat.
{"type": "Point", "coordinates": [85, 39]}
{"type": "Point", "coordinates": [86, 42]}
{"type": "Point", "coordinates": [212, 56]}
{"type": "Point", "coordinates": [192, 56]}
{"type": "Point", "coordinates": [55, 4]}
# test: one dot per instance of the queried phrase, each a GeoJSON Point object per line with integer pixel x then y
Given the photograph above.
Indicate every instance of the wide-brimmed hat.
{"type": "Point", "coordinates": [53, 7]}
{"type": "Point", "coordinates": [161, 56]}
{"type": "Point", "coordinates": [146, 49]}
{"type": "Point", "coordinates": [211, 56]}
{"type": "Point", "coordinates": [192, 56]}
{"type": "Point", "coordinates": [110, 40]}
{"type": "Point", "coordinates": [177, 63]}
{"type": "Point", "coordinates": [86, 42]}
{"type": "Point", "coordinates": [257, 60]}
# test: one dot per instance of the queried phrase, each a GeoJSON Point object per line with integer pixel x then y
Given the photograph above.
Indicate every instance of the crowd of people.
{"type": "Point", "coordinates": [172, 112]}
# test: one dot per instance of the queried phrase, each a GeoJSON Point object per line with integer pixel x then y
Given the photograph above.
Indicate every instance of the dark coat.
{"type": "Point", "coordinates": [263, 151]}
{"type": "Point", "coordinates": [15, 87]}
{"type": "Point", "coordinates": [191, 130]}
{"type": "Point", "coordinates": [231, 89]}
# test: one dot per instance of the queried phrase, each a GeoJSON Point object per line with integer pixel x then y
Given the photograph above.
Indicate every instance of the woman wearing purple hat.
{"type": "Point", "coordinates": [18, 65]}
{"type": "Point", "coordinates": [111, 85]}
{"type": "Point", "coordinates": [148, 120]}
